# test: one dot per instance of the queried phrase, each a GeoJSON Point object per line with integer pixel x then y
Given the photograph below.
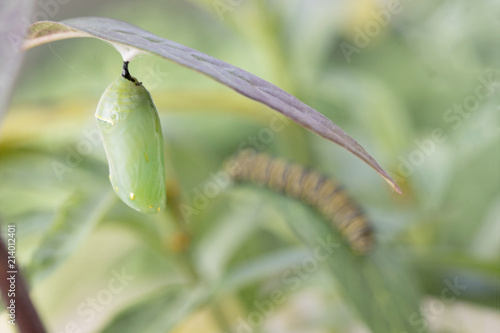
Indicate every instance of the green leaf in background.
{"type": "Point", "coordinates": [226, 236]}
{"type": "Point", "coordinates": [158, 312]}
{"type": "Point", "coordinates": [70, 228]}
{"type": "Point", "coordinates": [263, 267]}
{"type": "Point", "coordinates": [379, 286]}
{"type": "Point", "coordinates": [131, 41]}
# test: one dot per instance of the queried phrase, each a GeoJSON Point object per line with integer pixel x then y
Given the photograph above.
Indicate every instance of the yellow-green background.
{"type": "Point", "coordinates": [392, 94]}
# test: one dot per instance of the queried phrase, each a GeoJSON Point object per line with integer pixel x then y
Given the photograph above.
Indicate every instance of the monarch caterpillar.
{"type": "Point", "coordinates": [132, 138]}
{"type": "Point", "coordinates": [310, 187]}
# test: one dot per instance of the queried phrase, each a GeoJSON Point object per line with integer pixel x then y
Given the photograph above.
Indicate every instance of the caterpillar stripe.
{"type": "Point", "coordinates": [308, 186]}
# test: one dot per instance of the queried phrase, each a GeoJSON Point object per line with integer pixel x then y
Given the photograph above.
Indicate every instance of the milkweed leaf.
{"type": "Point", "coordinates": [73, 223]}
{"type": "Point", "coordinates": [160, 311]}
{"type": "Point", "coordinates": [380, 287]}
{"type": "Point", "coordinates": [131, 40]}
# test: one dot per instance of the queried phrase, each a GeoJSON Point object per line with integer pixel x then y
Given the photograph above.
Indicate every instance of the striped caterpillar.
{"type": "Point", "coordinates": [308, 186]}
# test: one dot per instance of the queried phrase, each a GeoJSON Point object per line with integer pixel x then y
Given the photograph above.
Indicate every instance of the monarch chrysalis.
{"type": "Point", "coordinates": [132, 138]}
{"type": "Point", "coordinates": [310, 187]}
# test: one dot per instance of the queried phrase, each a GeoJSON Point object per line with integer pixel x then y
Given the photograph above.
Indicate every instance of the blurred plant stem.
{"type": "Point", "coordinates": [25, 315]}
{"type": "Point", "coordinates": [180, 243]}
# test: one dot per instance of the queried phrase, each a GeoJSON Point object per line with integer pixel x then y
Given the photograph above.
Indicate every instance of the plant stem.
{"type": "Point", "coordinates": [26, 317]}
{"type": "Point", "coordinates": [186, 256]}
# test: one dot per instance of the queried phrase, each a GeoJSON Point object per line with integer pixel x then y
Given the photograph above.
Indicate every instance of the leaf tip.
{"type": "Point", "coordinates": [393, 184]}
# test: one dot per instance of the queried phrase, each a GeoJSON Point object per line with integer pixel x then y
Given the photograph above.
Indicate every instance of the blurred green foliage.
{"type": "Point", "coordinates": [398, 94]}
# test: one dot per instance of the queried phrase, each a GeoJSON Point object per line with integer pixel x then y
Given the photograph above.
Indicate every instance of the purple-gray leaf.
{"type": "Point", "coordinates": [131, 40]}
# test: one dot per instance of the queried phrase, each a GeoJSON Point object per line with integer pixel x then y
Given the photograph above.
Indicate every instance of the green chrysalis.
{"type": "Point", "coordinates": [132, 138]}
